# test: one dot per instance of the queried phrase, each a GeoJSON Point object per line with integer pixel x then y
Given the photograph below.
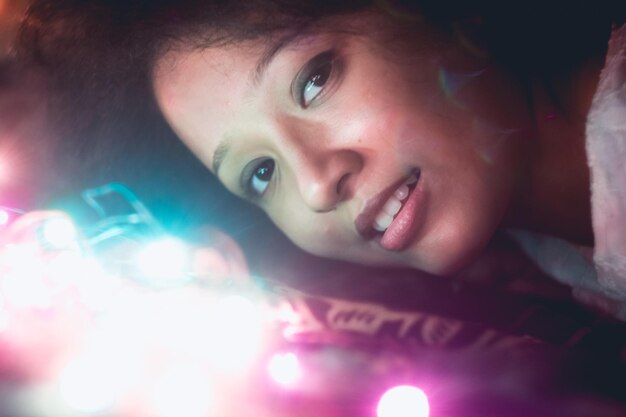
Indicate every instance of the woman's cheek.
{"type": "Point", "coordinates": [318, 236]}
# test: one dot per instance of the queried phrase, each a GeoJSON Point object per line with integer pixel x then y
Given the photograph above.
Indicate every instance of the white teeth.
{"type": "Point", "coordinates": [382, 222]}
{"type": "Point", "coordinates": [402, 192]}
{"type": "Point", "coordinates": [393, 205]}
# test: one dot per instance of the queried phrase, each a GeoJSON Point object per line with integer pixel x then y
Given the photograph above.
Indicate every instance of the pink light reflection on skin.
{"type": "Point", "coordinates": [403, 401]}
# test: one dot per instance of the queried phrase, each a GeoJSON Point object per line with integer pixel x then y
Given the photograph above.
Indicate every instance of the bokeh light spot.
{"type": "Point", "coordinates": [59, 233]}
{"type": "Point", "coordinates": [183, 392]}
{"type": "Point", "coordinates": [166, 258]}
{"type": "Point", "coordinates": [4, 217]}
{"type": "Point", "coordinates": [237, 326]}
{"type": "Point", "coordinates": [4, 316]}
{"type": "Point", "coordinates": [90, 386]}
{"type": "Point", "coordinates": [403, 401]}
{"type": "Point", "coordinates": [23, 285]}
{"type": "Point", "coordinates": [285, 369]}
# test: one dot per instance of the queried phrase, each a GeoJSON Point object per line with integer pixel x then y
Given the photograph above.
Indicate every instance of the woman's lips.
{"type": "Point", "coordinates": [365, 223]}
{"type": "Point", "coordinates": [401, 232]}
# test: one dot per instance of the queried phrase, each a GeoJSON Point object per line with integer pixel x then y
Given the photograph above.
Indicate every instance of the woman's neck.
{"type": "Point", "coordinates": [554, 197]}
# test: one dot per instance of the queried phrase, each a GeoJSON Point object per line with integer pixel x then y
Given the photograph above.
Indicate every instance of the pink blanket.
{"type": "Point", "coordinates": [597, 275]}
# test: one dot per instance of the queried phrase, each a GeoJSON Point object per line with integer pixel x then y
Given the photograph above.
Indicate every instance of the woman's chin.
{"type": "Point", "coordinates": [445, 259]}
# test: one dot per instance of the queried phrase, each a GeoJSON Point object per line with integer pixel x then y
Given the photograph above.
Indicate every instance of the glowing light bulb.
{"type": "Point", "coordinates": [23, 284]}
{"type": "Point", "coordinates": [90, 386]}
{"type": "Point", "coordinates": [403, 401]}
{"type": "Point", "coordinates": [285, 369]}
{"type": "Point", "coordinates": [183, 392]}
{"type": "Point", "coordinates": [5, 172]}
{"type": "Point", "coordinates": [237, 325]}
{"type": "Point", "coordinates": [166, 258]}
{"type": "Point", "coordinates": [99, 378]}
{"type": "Point", "coordinates": [4, 316]}
{"type": "Point", "coordinates": [58, 233]}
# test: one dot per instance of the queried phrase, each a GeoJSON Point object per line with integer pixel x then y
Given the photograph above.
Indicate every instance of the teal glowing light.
{"type": "Point", "coordinates": [451, 83]}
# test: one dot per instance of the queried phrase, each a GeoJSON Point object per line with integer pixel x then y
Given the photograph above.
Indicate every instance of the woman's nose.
{"type": "Point", "coordinates": [326, 179]}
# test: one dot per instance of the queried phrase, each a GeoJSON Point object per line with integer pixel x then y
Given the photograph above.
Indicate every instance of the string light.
{"type": "Point", "coordinates": [4, 217]}
{"type": "Point", "coordinates": [164, 259]}
{"type": "Point", "coordinates": [4, 316]}
{"type": "Point", "coordinates": [285, 369]}
{"type": "Point", "coordinates": [58, 233]}
{"type": "Point", "coordinates": [105, 362]}
{"type": "Point", "coordinates": [403, 401]}
{"type": "Point", "coordinates": [21, 282]}
{"type": "Point", "coordinates": [92, 383]}
{"type": "Point", "coordinates": [184, 391]}
{"type": "Point", "coordinates": [174, 350]}
{"type": "Point", "coordinates": [5, 175]}
{"type": "Point", "coordinates": [237, 326]}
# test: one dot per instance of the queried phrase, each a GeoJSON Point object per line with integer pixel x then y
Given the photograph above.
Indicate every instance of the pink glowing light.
{"type": "Point", "coordinates": [4, 169]}
{"type": "Point", "coordinates": [4, 217]}
{"type": "Point", "coordinates": [284, 368]}
{"type": "Point", "coordinates": [403, 401]}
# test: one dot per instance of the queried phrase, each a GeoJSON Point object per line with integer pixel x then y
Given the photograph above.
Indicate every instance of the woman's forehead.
{"type": "Point", "coordinates": [178, 68]}
{"type": "Point", "coordinates": [199, 90]}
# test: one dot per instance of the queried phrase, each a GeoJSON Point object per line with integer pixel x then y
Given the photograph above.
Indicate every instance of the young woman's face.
{"type": "Point", "coordinates": [329, 133]}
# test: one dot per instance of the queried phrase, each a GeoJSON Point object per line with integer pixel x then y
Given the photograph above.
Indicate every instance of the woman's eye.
{"type": "Point", "coordinates": [312, 79]}
{"type": "Point", "coordinates": [257, 177]}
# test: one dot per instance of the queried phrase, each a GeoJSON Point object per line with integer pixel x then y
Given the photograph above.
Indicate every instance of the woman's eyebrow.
{"type": "Point", "coordinates": [220, 153]}
{"type": "Point", "coordinates": [269, 54]}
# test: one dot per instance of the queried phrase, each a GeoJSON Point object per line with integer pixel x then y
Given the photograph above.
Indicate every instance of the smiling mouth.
{"type": "Point", "coordinates": [381, 211]}
{"type": "Point", "coordinates": [394, 204]}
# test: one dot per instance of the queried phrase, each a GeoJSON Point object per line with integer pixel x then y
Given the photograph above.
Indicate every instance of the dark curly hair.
{"type": "Point", "coordinates": [99, 54]}
{"type": "Point", "coordinates": [83, 35]}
